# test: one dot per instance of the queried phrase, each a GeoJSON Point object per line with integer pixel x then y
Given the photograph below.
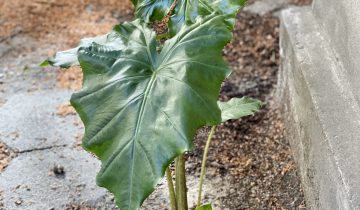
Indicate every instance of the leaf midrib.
{"type": "Point", "coordinates": [136, 132]}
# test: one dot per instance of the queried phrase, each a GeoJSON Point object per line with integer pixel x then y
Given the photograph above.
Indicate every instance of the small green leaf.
{"type": "Point", "coordinates": [68, 58]}
{"type": "Point", "coordinates": [45, 63]}
{"type": "Point", "coordinates": [204, 207]}
{"type": "Point", "coordinates": [238, 107]}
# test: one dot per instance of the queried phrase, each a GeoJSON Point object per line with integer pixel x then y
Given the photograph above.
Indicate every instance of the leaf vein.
{"type": "Point", "coordinates": [148, 159]}
{"type": "Point", "coordinates": [130, 59]}
{"type": "Point", "coordinates": [113, 83]}
{"type": "Point", "coordinates": [194, 91]}
{"type": "Point", "coordinates": [189, 61]}
{"type": "Point", "coordinates": [113, 117]}
{"type": "Point", "coordinates": [171, 122]}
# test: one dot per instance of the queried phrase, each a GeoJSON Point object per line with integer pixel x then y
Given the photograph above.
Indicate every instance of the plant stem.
{"type": "Point", "coordinates": [180, 179]}
{"type": "Point", "coordinates": [203, 163]}
{"type": "Point", "coordinates": [171, 189]}
{"type": "Point", "coordinates": [171, 10]}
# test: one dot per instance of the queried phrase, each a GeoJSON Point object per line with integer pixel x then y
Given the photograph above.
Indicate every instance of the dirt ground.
{"type": "Point", "coordinates": [252, 154]}
{"type": "Point", "coordinates": [61, 22]}
{"type": "Point", "coordinates": [263, 172]}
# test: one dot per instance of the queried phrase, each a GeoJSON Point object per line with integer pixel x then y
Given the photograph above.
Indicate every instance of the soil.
{"type": "Point", "coordinates": [252, 154]}
{"type": "Point", "coordinates": [301, 2]}
{"type": "Point", "coordinates": [65, 109]}
{"type": "Point", "coordinates": [70, 78]}
{"type": "Point", "coordinates": [61, 21]}
{"type": "Point", "coordinates": [6, 155]}
{"type": "Point", "coordinates": [253, 151]}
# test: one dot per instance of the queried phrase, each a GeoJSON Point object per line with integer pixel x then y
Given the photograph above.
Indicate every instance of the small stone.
{"type": "Point", "coordinates": [53, 187]}
{"type": "Point", "coordinates": [18, 202]}
{"type": "Point", "coordinates": [59, 170]}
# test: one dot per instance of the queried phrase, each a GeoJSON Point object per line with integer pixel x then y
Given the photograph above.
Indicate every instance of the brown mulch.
{"type": "Point", "coordinates": [70, 78]}
{"type": "Point", "coordinates": [253, 151]}
{"type": "Point", "coordinates": [301, 2]}
{"type": "Point", "coordinates": [6, 155]}
{"type": "Point", "coordinates": [44, 20]}
{"type": "Point", "coordinates": [65, 109]}
{"type": "Point", "coordinates": [62, 23]}
{"type": "Point", "coordinates": [79, 207]}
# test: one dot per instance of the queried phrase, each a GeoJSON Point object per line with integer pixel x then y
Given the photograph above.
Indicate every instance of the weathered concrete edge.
{"type": "Point", "coordinates": [322, 113]}
{"type": "Point", "coordinates": [341, 20]}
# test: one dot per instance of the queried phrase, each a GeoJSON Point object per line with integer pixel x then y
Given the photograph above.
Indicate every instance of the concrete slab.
{"type": "Point", "coordinates": [20, 56]}
{"type": "Point", "coordinates": [322, 112]}
{"type": "Point", "coordinates": [52, 179]}
{"type": "Point", "coordinates": [29, 121]}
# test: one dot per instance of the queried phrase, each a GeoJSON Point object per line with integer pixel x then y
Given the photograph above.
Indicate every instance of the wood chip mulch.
{"type": "Point", "coordinates": [253, 151]}
{"type": "Point", "coordinates": [6, 155]}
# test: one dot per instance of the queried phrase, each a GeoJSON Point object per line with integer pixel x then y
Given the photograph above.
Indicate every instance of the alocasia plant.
{"type": "Point", "coordinates": [132, 98]}
{"type": "Point", "coordinates": [142, 106]}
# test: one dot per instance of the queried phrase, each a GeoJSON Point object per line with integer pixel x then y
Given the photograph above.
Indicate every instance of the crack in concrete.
{"type": "Point", "coordinates": [40, 149]}
{"type": "Point", "coordinates": [278, 9]}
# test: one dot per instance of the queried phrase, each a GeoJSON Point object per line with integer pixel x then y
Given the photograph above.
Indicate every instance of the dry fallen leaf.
{"type": "Point", "coordinates": [65, 109]}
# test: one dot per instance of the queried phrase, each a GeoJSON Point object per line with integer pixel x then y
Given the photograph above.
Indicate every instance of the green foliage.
{"type": "Point", "coordinates": [186, 11]}
{"type": "Point", "coordinates": [237, 108]}
{"type": "Point", "coordinates": [204, 207]}
{"type": "Point", "coordinates": [151, 10]}
{"type": "Point", "coordinates": [142, 108]}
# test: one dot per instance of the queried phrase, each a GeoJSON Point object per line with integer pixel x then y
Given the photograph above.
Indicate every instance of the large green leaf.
{"type": "Point", "coordinates": [236, 108]}
{"type": "Point", "coordinates": [142, 108]}
{"type": "Point", "coordinates": [186, 11]}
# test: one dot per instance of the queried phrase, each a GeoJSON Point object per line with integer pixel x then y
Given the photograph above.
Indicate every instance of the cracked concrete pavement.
{"type": "Point", "coordinates": [50, 170]}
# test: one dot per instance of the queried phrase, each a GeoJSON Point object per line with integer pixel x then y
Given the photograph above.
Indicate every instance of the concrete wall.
{"type": "Point", "coordinates": [318, 85]}
{"type": "Point", "coordinates": [340, 19]}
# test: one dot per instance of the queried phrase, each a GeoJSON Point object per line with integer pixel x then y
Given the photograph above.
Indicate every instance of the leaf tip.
{"type": "Point", "coordinates": [45, 63]}
{"type": "Point", "coordinates": [204, 207]}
